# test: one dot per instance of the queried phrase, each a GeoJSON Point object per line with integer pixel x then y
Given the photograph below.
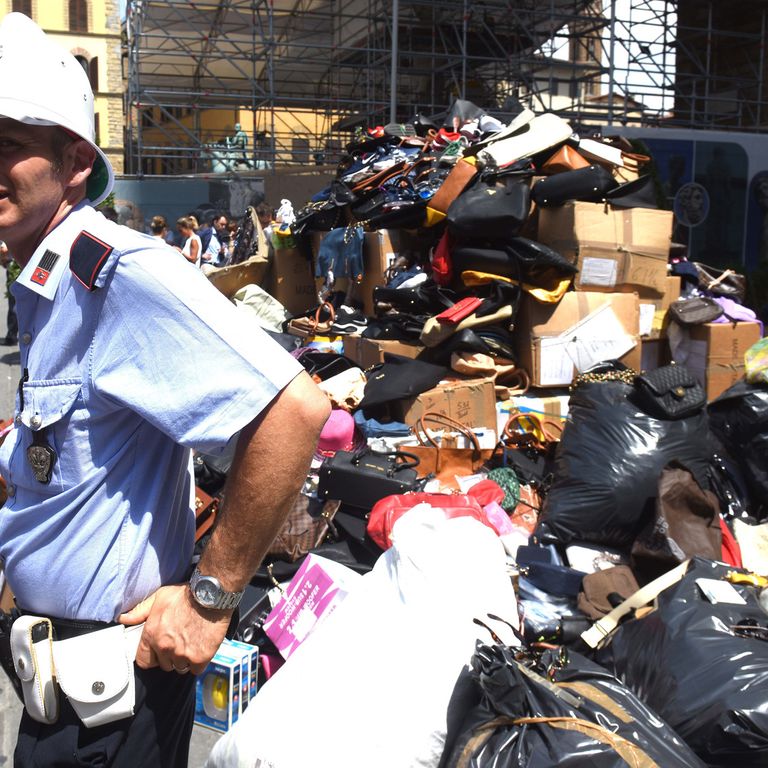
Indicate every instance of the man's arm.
{"type": "Point", "coordinates": [271, 462]}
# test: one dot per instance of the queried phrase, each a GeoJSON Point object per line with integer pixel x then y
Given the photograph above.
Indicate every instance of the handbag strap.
{"type": "Point", "coordinates": [443, 420]}
{"type": "Point", "coordinates": [531, 423]}
{"type": "Point", "coordinates": [410, 460]}
{"type": "Point", "coordinates": [600, 630]}
{"type": "Point", "coordinates": [329, 308]}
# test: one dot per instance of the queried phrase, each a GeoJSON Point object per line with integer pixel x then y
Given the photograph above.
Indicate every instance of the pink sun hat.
{"type": "Point", "coordinates": [340, 433]}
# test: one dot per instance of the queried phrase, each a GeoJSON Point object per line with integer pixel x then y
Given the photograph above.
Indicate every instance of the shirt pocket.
{"type": "Point", "coordinates": [49, 414]}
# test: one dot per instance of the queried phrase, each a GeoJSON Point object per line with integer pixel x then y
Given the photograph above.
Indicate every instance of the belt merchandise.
{"type": "Point", "coordinates": [90, 662]}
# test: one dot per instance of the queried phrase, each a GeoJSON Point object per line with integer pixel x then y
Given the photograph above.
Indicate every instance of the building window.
{"type": "Point", "coordinates": [78, 16]}
{"type": "Point", "coordinates": [91, 69]}
{"type": "Point", "coordinates": [22, 6]}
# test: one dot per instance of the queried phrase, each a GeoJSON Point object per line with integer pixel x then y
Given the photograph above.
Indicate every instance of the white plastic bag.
{"type": "Point", "coordinates": [370, 687]}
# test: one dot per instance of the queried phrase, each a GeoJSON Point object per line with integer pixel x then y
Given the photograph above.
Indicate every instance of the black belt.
{"type": "Point", "coordinates": [64, 629]}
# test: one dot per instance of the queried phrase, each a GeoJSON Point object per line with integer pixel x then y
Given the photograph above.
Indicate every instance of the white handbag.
{"type": "Point", "coordinates": [542, 132]}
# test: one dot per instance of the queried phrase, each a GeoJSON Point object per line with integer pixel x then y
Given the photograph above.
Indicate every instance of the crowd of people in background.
{"type": "Point", "coordinates": [205, 238]}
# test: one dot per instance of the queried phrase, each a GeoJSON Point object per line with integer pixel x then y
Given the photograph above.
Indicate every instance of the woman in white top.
{"type": "Point", "coordinates": [192, 248]}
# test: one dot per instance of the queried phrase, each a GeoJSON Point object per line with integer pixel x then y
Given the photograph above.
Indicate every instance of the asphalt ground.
{"type": "Point", "coordinates": [203, 739]}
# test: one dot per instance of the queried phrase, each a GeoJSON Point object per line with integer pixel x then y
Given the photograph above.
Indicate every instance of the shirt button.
{"type": "Point", "coordinates": [11, 490]}
{"type": "Point", "coordinates": [17, 420]}
{"type": "Point", "coordinates": [35, 421]}
{"type": "Point", "coordinates": [26, 338]}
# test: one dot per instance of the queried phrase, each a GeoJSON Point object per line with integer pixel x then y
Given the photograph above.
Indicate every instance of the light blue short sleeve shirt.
{"type": "Point", "coordinates": [121, 382]}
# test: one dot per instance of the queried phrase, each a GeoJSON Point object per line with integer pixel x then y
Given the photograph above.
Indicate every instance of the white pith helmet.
{"type": "Point", "coordinates": [43, 84]}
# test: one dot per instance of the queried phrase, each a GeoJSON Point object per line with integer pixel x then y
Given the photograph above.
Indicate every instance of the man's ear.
{"type": "Point", "coordinates": [79, 162]}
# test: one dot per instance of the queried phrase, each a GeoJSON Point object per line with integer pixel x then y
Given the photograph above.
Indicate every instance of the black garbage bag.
{"type": "Point", "coordinates": [584, 717]}
{"type": "Point", "coordinates": [739, 419]}
{"type": "Point", "coordinates": [608, 462]}
{"type": "Point", "coordinates": [708, 680]}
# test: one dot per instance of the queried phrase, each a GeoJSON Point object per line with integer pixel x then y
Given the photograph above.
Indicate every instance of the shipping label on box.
{"type": "Point", "coordinates": [654, 309]}
{"type": "Point", "coordinates": [612, 247]}
{"type": "Point", "coordinates": [469, 401]}
{"type": "Point", "coordinates": [554, 342]}
{"type": "Point", "coordinates": [316, 589]}
{"type": "Point", "coordinates": [606, 270]}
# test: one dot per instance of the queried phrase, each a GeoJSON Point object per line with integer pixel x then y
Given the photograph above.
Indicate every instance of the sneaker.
{"type": "Point", "coordinates": [348, 321]}
{"type": "Point", "coordinates": [401, 130]}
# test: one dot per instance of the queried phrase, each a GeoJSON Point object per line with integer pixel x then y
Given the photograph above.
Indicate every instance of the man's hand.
{"type": "Point", "coordinates": [178, 634]}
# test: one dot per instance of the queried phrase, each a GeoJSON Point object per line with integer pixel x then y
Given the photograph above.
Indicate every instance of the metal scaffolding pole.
{"type": "Point", "coordinates": [308, 72]}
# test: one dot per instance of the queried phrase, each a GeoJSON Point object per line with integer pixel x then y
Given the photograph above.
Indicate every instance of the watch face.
{"type": "Point", "coordinates": [207, 591]}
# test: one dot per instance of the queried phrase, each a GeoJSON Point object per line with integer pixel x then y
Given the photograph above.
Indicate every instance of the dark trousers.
{"type": "Point", "coordinates": [157, 736]}
{"type": "Point", "coordinates": [12, 321]}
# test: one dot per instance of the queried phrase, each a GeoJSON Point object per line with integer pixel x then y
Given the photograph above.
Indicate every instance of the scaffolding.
{"type": "Point", "coordinates": [301, 75]}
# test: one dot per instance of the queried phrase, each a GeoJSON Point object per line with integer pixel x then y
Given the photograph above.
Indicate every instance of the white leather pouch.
{"type": "Point", "coordinates": [32, 650]}
{"type": "Point", "coordinates": [96, 673]}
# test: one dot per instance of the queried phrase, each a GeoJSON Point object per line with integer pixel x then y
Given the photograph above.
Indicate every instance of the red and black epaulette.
{"type": "Point", "coordinates": [87, 257]}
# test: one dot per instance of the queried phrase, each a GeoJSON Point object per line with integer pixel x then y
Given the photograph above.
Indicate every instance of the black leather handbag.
{"type": "Point", "coordinates": [694, 311]}
{"type": "Point", "coordinates": [670, 392]}
{"type": "Point", "coordinates": [490, 209]}
{"type": "Point", "coordinates": [361, 478]}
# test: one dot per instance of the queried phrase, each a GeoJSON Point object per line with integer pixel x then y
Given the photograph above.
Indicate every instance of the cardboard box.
{"type": "Point", "coordinates": [469, 401]}
{"type": "Point", "coordinates": [229, 280]}
{"type": "Point", "coordinates": [380, 249]}
{"type": "Point", "coordinates": [716, 354]}
{"type": "Point", "coordinates": [611, 247]}
{"type": "Point", "coordinates": [291, 280]}
{"type": "Point", "coordinates": [368, 352]}
{"type": "Point", "coordinates": [554, 342]}
{"type": "Point", "coordinates": [654, 308]}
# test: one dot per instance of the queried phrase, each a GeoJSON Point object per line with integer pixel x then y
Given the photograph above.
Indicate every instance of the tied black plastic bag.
{"type": "Point", "coordinates": [739, 418]}
{"type": "Point", "coordinates": [516, 718]}
{"type": "Point", "coordinates": [608, 464]}
{"type": "Point", "coordinates": [692, 664]}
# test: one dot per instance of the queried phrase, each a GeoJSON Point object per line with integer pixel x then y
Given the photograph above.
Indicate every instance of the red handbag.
{"type": "Point", "coordinates": [387, 511]}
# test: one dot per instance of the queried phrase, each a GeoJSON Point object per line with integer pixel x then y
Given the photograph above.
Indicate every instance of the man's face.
{"type": "Point", "coordinates": [220, 224]}
{"type": "Point", "coordinates": [31, 189]}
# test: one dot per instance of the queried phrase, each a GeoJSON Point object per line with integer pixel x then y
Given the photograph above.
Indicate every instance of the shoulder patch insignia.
{"type": "Point", "coordinates": [87, 257]}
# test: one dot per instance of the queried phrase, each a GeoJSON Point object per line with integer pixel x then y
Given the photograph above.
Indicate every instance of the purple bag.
{"type": "Point", "coordinates": [733, 312]}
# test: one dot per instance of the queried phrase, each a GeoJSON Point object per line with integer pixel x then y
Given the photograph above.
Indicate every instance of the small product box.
{"type": "Point", "coordinates": [219, 691]}
{"type": "Point", "coordinates": [249, 672]}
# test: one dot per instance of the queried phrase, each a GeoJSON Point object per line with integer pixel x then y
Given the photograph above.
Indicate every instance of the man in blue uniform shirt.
{"type": "Point", "coordinates": [130, 359]}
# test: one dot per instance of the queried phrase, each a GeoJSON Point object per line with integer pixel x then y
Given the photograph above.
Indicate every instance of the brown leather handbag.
{"type": "Point", "coordinates": [565, 159]}
{"type": "Point", "coordinates": [455, 183]}
{"type": "Point", "coordinates": [443, 462]}
{"type": "Point", "coordinates": [308, 524]}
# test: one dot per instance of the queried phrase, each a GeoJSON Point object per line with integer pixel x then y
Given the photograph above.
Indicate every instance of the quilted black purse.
{"type": "Point", "coordinates": [670, 392]}
{"type": "Point", "coordinates": [361, 478]}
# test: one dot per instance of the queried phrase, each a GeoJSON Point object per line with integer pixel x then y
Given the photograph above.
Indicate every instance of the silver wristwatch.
{"type": "Point", "coordinates": [208, 592]}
